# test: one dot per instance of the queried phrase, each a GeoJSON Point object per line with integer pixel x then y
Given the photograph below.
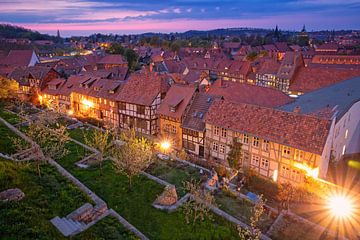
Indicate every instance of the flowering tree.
{"type": "Point", "coordinates": [101, 141]}
{"type": "Point", "coordinates": [50, 137]}
{"type": "Point", "coordinates": [197, 208]}
{"type": "Point", "coordinates": [254, 233]}
{"type": "Point", "coordinates": [134, 156]}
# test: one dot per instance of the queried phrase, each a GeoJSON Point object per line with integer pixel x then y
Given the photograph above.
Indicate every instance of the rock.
{"type": "Point", "coordinates": [168, 197]}
{"type": "Point", "coordinates": [13, 194]}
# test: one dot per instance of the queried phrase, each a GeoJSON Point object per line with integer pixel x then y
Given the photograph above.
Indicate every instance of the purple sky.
{"type": "Point", "coordinates": [83, 17]}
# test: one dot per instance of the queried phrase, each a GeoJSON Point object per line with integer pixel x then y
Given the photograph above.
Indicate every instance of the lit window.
{"type": "Point", "coordinates": [343, 150]}
{"type": "Point", "coordinates": [256, 142]}
{"type": "Point", "coordinates": [215, 146]}
{"type": "Point", "coordinates": [222, 148]}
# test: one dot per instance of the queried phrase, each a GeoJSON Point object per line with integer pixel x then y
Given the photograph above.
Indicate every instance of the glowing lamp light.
{"type": "Point", "coordinates": [70, 112]}
{"type": "Point", "coordinates": [340, 206]}
{"type": "Point", "coordinates": [275, 175]}
{"type": "Point", "coordinates": [165, 145]}
{"type": "Point", "coordinates": [312, 172]}
{"type": "Point", "coordinates": [87, 103]}
{"type": "Point", "coordinates": [40, 98]}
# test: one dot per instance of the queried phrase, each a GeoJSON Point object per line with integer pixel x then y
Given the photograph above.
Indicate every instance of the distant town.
{"type": "Point", "coordinates": [264, 120]}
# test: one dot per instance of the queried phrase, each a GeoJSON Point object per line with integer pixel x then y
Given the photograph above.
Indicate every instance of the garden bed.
{"type": "Point", "coordinates": [240, 208]}
{"type": "Point", "coordinates": [176, 173]}
{"type": "Point", "coordinates": [289, 227]}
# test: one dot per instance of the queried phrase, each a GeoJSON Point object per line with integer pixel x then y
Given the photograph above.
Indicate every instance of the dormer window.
{"type": "Point", "coordinates": [97, 89]}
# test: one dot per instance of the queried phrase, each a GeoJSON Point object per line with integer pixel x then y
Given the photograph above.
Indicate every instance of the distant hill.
{"type": "Point", "coordinates": [11, 31]}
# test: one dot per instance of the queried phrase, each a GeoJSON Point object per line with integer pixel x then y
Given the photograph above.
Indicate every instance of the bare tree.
{"type": "Point", "coordinates": [253, 233]}
{"type": "Point", "coordinates": [101, 141]}
{"type": "Point", "coordinates": [197, 208]}
{"type": "Point", "coordinates": [134, 156]}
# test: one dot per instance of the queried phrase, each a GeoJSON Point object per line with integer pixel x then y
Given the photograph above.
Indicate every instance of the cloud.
{"type": "Point", "coordinates": [177, 10]}
{"type": "Point", "coordinates": [89, 14]}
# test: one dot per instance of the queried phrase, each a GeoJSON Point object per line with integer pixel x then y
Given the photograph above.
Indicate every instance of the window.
{"type": "Point", "coordinates": [265, 146]}
{"type": "Point", "coordinates": [141, 123]}
{"type": "Point", "coordinates": [169, 128]}
{"type": "Point", "coordinates": [285, 171]}
{"type": "Point", "coordinates": [140, 109]}
{"type": "Point", "coordinates": [255, 160]}
{"type": "Point", "coordinates": [343, 150]}
{"type": "Point", "coordinates": [346, 133]}
{"type": "Point", "coordinates": [256, 142]}
{"type": "Point", "coordinates": [223, 132]}
{"type": "Point", "coordinates": [298, 155]}
{"type": "Point", "coordinates": [295, 175]}
{"type": "Point", "coordinates": [122, 106]}
{"type": "Point", "coordinates": [264, 164]}
{"type": "Point", "coordinates": [112, 104]}
{"type": "Point", "coordinates": [188, 145]}
{"type": "Point", "coordinates": [246, 139]}
{"type": "Point", "coordinates": [286, 151]}
{"type": "Point", "coordinates": [215, 146]}
{"type": "Point", "coordinates": [222, 148]}
{"type": "Point", "coordinates": [216, 131]}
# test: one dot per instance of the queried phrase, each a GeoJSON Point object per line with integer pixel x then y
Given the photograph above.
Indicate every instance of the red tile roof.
{"type": "Point", "coordinates": [113, 59]}
{"type": "Point", "coordinates": [303, 132]}
{"type": "Point", "coordinates": [311, 78]}
{"type": "Point", "coordinates": [143, 87]}
{"type": "Point", "coordinates": [251, 94]}
{"type": "Point", "coordinates": [178, 97]}
{"type": "Point", "coordinates": [18, 58]}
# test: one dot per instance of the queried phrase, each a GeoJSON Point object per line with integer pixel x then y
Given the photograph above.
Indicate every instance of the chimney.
{"type": "Point", "coordinates": [297, 109]}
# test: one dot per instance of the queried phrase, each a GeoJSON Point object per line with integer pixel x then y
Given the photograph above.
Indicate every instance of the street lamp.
{"type": "Point", "coordinates": [340, 206]}
{"type": "Point", "coordinates": [165, 145]}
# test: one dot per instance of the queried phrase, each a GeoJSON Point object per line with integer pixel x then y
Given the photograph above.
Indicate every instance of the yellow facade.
{"type": "Point", "coordinates": [269, 159]}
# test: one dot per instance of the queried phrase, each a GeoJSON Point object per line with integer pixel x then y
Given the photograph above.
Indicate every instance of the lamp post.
{"type": "Point", "coordinates": [165, 145]}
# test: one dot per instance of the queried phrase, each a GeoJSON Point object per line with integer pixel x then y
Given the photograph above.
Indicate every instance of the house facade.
{"type": "Point", "coordinates": [172, 112]}
{"type": "Point", "coordinates": [278, 145]}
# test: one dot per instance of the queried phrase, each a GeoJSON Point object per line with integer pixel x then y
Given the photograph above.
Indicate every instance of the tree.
{"type": "Point", "coordinates": [235, 154]}
{"type": "Point", "coordinates": [251, 56]}
{"type": "Point", "coordinates": [134, 156]}
{"type": "Point", "coordinates": [101, 141]}
{"type": "Point", "coordinates": [131, 57]}
{"type": "Point", "coordinates": [288, 194]}
{"type": "Point", "coordinates": [196, 209]}
{"type": "Point", "coordinates": [175, 46]}
{"type": "Point", "coordinates": [116, 48]}
{"type": "Point", "coordinates": [254, 233]}
{"type": "Point", "coordinates": [50, 140]}
{"type": "Point", "coordinates": [8, 88]}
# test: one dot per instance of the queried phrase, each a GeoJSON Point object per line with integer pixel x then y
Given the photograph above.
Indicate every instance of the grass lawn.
{"type": "Point", "coordinates": [175, 173]}
{"type": "Point", "coordinates": [76, 153]}
{"type": "Point", "coordinates": [45, 197]}
{"type": "Point", "coordinates": [9, 117]}
{"type": "Point", "coordinates": [241, 209]}
{"type": "Point", "coordinates": [78, 134]}
{"type": "Point", "coordinates": [6, 136]}
{"type": "Point", "coordinates": [108, 228]}
{"type": "Point", "coordinates": [135, 206]}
